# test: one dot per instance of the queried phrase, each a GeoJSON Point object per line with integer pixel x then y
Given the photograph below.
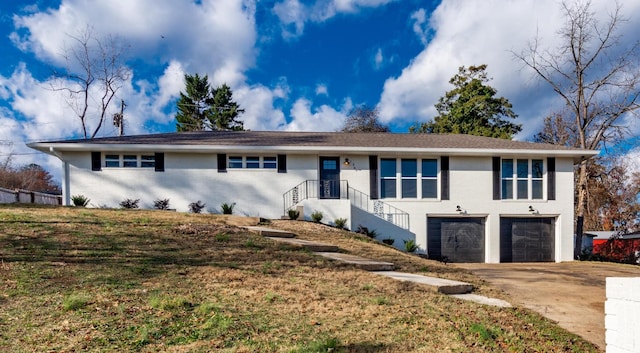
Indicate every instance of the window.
{"type": "Point", "coordinates": [269, 163]}
{"type": "Point", "coordinates": [235, 162]}
{"type": "Point", "coordinates": [253, 162]}
{"type": "Point", "coordinates": [388, 178]}
{"type": "Point", "coordinates": [148, 161]}
{"type": "Point", "coordinates": [130, 161]}
{"type": "Point", "coordinates": [329, 164]}
{"type": "Point", "coordinates": [525, 181]}
{"type": "Point", "coordinates": [112, 161]}
{"type": "Point", "coordinates": [429, 178]}
{"type": "Point", "coordinates": [409, 173]}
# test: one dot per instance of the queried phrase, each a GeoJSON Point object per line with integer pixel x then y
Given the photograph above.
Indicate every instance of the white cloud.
{"type": "Point", "coordinates": [420, 25]}
{"type": "Point", "coordinates": [324, 118]}
{"type": "Point", "coordinates": [378, 59]}
{"type": "Point", "coordinates": [466, 33]}
{"type": "Point", "coordinates": [322, 89]}
{"type": "Point", "coordinates": [257, 101]}
{"type": "Point", "coordinates": [293, 14]}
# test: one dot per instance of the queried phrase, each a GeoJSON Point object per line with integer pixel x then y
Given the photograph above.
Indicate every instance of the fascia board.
{"type": "Point", "coordinates": [50, 147]}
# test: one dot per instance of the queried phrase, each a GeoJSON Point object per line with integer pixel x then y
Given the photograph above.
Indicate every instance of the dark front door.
{"type": "Point", "coordinates": [527, 239]}
{"type": "Point", "coordinates": [457, 239]}
{"type": "Point", "coordinates": [329, 178]}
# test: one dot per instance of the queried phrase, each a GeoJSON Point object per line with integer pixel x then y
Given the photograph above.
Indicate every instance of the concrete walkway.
{"type": "Point", "coordinates": [456, 289]}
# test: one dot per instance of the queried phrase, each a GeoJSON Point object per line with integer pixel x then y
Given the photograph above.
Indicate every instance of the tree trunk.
{"type": "Point", "coordinates": [581, 207]}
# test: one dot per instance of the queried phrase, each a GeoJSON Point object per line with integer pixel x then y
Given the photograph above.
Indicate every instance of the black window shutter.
{"type": "Point", "coordinates": [551, 178]}
{"type": "Point", "coordinates": [282, 163]}
{"type": "Point", "coordinates": [444, 174]}
{"type": "Point", "coordinates": [159, 162]}
{"type": "Point", "coordinates": [222, 163]}
{"type": "Point", "coordinates": [496, 178]}
{"type": "Point", "coordinates": [373, 177]}
{"type": "Point", "coordinates": [96, 159]}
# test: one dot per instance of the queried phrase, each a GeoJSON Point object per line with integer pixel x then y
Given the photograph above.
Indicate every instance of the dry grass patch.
{"type": "Point", "coordinates": [83, 280]}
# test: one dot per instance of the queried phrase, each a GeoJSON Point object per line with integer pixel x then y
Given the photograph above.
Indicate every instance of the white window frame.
{"type": "Point", "coordinates": [418, 178]}
{"type": "Point", "coordinates": [529, 179]}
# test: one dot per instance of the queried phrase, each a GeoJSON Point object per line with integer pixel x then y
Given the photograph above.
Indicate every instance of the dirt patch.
{"type": "Point", "coordinates": [571, 293]}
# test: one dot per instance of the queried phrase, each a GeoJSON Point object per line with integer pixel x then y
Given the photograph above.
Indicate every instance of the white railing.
{"type": "Point", "coordinates": [26, 196]}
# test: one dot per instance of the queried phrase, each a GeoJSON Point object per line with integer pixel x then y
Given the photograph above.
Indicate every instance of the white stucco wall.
{"type": "Point", "coordinates": [189, 177]}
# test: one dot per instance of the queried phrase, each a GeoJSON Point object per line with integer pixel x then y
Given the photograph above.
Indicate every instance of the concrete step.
{"type": "Point", "coordinates": [445, 286]}
{"type": "Point", "coordinates": [483, 300]}
{"type": "Point", "coordinates": [309, 245]}
{"type": "Point", "coordinates": [269, 232]}
{"type": "Point", "coordinates": [359, 262]}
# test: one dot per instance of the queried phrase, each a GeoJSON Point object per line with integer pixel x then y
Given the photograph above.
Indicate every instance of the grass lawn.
{"type": "Point", "coordinates": [94, 280]}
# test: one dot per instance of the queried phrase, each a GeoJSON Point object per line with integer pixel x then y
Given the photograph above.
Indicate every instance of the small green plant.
{"type": "Point", "coordinates": [227, 208]}
{"type": "Point", "coordinates": [371, 233]}
{"type": "Point", "coordinates": [222, 237]}
{"type": "Point", "coordinates": [316, 216]}
{"type": "Point", "coordinates": [161, 204]}
{"type": "Point", "coordinates": [340, 222]}
{"type": "Point", "coordinates": [293, 214]}
{"type": "Point", "coordinates": [320, 345]}
{"type": "Point", "coordinates": [389, 241]}
{"type": "Point", "coordinates": [381, 300]}
{"type": "Point", "coordinates": [80, 200]}
{"type": "Point", "coordinates": [196, 207]}
{"type": "Point", "coordinates": [75, 302]}
{"type": "Point", "coordinates": [129, 203]}
{"type": "Point", "coordinates": [410, 246]}
{"type": "Point", "coordinates": [272, 297]}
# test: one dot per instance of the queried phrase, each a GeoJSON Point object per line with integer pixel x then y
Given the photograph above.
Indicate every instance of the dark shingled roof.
{"type": "Point", "coordinates": [320, 139]}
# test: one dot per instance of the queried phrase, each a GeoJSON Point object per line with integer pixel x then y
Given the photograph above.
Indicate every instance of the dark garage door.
{"type": "Point", "coordinates": [527, 239]}
{"type": "Point", "coordinates": [459, 239]}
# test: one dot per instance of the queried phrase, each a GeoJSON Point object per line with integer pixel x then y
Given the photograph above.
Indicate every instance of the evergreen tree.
{"type": "Point", "coordinates": [472, 108]}
{"type": "Point", "coordinates": [203, 108]}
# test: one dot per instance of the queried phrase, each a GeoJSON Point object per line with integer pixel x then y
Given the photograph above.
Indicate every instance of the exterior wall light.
{"type": "Point", "coordinates": [347, 162]}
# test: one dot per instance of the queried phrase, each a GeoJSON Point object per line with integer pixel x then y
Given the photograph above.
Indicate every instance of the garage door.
{"type": "Point", "coordinates": [459, 239]}
{"type": "Point", "coordinates": [527, 239]}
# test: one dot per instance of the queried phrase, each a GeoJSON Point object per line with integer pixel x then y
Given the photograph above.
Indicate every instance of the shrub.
{"type": "Point", "coordinates": [316, 216]}
{"type": "Point", "coordinates": [161, 204]}
{"type": "Point", "coordinates": [75, 302]}
{"type": "Point", "coordinates": [366, 231]}
{"type": "Point", "coordinates": [340, 222]}
{"type": "Point", "coordinates": [293, 214]}
{"type": "Point", "coordinates": [227, 208]}
{"type": "Point", "coordinates": [196, 207]}
{"type": "Point", "coordinates": [129, 203]}
{"type": "Point", "coordinates": [388, 241]}
{"type": "Point", "coordinates": [80, 200]}
{"type": "Point", "coordinates": [410, 246]}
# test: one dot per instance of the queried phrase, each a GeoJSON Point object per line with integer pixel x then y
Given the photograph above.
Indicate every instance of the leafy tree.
{"type": "Point", "coordinates": [94, 73]}
{"type": "Point", "coordinates": [30, 177]}
{"type": "Point", "coordinates": [596, 76]}
{"type": "Point", "coordinates": [203, 108]}
{"type": "Point", "coordinates": [472, 108]}
{"type": "Point", "coordinates": [364, 119]}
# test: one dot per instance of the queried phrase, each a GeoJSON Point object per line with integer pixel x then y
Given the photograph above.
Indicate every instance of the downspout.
{"type": "Point", "coordinates": [66, 198]}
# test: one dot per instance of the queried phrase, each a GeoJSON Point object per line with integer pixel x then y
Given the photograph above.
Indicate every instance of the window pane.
{"type": "Point", "coordinates": [235, 162]}
{"type": "Point", "coordinates": [507, 189]}
{"type": "Point", "coordinates": [112, 160]}
{"type": "Point", "coordinates": [507, 168]}
{"type": "Point", "coordinates": [536, 189]}
{"type": "Point", "coordinates": [269, 163]}
{"type": "Point", "coordinates": [148, 161]}
{"type": "Point", "coordinates": [388, 168]}
{"type": "Point", "coordinates": [429, 188]}
{"type": "Point", "coordinates": [388, 188]}
{"type": "Point", "coordinates": [523, 192]}
{"type": "Point", "coordinates": [130, 161]}
{"type": "Point", "coordinates": [409, 167]}
{"type": "Point", "coordinates": [523, 168]}
{"type": "Point", "coordinates": [409, 188]}
{"type": "Point", "coordinates": [536, 168]}
{"type": "Point", "coordinates": [253, 162]}
{"type": "Point", "coordinates": [329, 165]}
{"type": "Point", "coordinates": [429, 168]}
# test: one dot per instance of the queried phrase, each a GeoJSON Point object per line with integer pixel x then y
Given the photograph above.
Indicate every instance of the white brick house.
{"type": "Point", "coordinates": [470, 198]}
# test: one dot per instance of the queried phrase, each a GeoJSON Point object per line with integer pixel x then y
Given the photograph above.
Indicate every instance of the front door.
{"type": "Point", "coordinates": [329, 178]}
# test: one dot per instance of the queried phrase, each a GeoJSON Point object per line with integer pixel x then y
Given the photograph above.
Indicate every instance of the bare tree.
{"type": "Point", "coordinates": [596, 76]}
{"type": "Point", "coordinates": [364, 119]}
{"type": "Point", "coordinates": [94, 73]}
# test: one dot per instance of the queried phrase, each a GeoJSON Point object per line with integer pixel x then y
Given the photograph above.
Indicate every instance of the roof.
{"type": "Point", "coordinates": [309, 141]}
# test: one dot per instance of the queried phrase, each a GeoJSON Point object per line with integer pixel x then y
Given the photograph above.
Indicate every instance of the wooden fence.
{"type": "Point", "coordinates": [26, 196]}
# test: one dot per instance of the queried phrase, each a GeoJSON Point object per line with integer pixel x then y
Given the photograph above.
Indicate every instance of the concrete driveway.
{"type": "Point", "coordinates": [571, 293]}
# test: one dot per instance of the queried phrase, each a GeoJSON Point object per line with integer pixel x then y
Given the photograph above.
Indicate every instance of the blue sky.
{"type": "Point", "coordinates": [292, 64]}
